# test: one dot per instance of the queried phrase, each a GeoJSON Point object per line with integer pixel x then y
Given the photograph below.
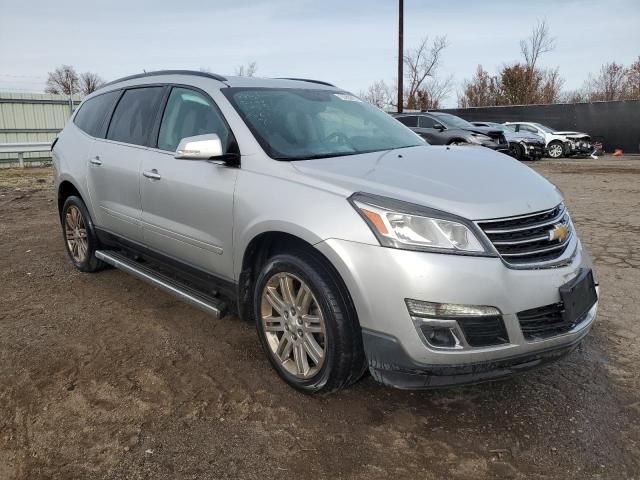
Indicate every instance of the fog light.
{"type": "Point", "coordinates": [419, 308]}
{"type": "Point", "coordinates": [440, 336]}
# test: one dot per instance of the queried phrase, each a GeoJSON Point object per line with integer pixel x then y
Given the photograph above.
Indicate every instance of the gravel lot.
{"type": "Point", "coordinates": [101, 376]}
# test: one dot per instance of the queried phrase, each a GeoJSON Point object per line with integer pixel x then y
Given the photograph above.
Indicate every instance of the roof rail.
{"type": "Point", "coordinates": [320, 82]}
{"type": "Point", "coordinates": [214, 76]}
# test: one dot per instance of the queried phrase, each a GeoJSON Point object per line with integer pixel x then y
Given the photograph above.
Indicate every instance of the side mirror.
{"type": "Point", "coordinates": [200, 147]}
{"type": "Point", "coordinates": [439, 126]}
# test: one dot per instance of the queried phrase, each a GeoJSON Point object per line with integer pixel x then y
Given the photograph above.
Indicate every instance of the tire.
{"type": "Point", "coordinates": [517, 152]}
{"type": "Point", "coordinates": [330, 323]}
{"type": "Point", "coordinates": [81, 243]}
{"type": "Point", "coordinates": [555, 149]}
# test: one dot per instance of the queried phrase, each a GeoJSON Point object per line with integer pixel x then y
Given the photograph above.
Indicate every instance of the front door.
{"type": "Point", "coordinates": [187, 205]}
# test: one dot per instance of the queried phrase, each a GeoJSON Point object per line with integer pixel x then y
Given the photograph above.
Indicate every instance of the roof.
{"type": "Point", "coordinates": [231, 81]}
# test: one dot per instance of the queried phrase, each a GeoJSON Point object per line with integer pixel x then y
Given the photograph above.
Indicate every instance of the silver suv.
{"type": "Point", "coordinates": [350, 243]}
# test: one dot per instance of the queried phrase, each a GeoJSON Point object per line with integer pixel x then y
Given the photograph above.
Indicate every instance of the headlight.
{"type": "Point", "coordinates": [478, 138]}
{"type": "Point", "coordinates": [406, 226]}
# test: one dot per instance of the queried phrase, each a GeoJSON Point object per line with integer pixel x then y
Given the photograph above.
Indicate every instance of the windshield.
{"type": "Point", "coordinates": [452, 121]}
{"type": "Point", "coordinates": [542, 127]}
{"type": "Point", "coordinates": [301, 124]}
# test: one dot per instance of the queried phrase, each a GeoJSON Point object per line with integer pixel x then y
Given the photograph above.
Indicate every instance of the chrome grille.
{"type": "Point", "coordinates": [526, 240]}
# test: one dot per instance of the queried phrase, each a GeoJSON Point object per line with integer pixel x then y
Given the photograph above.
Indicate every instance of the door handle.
{"type": "Point", "coordinates": [95, 161]}
{"type": "Point", "coordinates": [152, 174]}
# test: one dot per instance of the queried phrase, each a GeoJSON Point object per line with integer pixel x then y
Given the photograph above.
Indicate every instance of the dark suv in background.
{"type": "Point", "coordinates": [445, 129]}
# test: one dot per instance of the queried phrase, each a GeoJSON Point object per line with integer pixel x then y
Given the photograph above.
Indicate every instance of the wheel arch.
{"type": "Point", "coordinates": [260, 248]}
{"type": "Point", "coordinates": [67, 189]}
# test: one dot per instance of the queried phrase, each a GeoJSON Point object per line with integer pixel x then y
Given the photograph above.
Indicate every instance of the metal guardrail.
{"type": "Point", "coordinates": [24, 147]}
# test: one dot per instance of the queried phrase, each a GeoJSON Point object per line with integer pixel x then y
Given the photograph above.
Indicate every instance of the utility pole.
{"type": "Point", "coordinates": [400, 52]}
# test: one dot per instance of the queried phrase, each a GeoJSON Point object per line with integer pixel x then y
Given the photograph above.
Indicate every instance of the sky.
{"type": "Point", "coordinates": [350, 43]}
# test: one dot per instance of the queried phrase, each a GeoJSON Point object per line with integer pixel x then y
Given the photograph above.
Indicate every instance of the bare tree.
{"type": "Point", "coordinates": [422, 63]}
{"type": "Point", "coordinates": [90, 82]}
{"type": "Point", "coordinates": [434, 91]}
{"type": "Point", "coordinates": [248, 70]}
{"type": "Point", "coordinates": [540, 41]}
{"type": "Point", "coordinates": [378, 94]}
{"type": "Point", "coordinates": [552, 83]}
{"type": "Point", "coordinates": [609, 84]}
{"type": "Point", "coordinates": [633, 80]}
{"type": "Point", "coordinates": [63, 81]}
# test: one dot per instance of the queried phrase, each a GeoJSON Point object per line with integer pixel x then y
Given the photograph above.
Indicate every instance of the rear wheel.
{"type": "Point", "coordinates": [306, 324]}
{"type": "Point", "coordinates": [80, 239]}
{"type": "Point", "coordinates": [555, 149]}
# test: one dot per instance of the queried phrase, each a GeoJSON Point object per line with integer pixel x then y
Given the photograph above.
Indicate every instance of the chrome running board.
{"type": "Point", "coordinates": [190, 295]}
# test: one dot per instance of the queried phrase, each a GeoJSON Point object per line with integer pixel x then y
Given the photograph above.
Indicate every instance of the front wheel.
{"type": "Point", "coordinates": [555, 149]}
{"type": "Point", "coordinates": [306, 324]}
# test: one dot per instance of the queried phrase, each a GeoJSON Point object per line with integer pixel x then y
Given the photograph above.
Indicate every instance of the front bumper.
{"type": "Point", "coordinates": [379, 280]}
{"type": "Point", "coordinates": [579, 149]}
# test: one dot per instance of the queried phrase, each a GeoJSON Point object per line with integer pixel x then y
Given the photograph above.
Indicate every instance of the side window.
{"type": "Point", "coordinates": [133, 118]}
{"type": "Point", "coordinates": [411, 121]}
{"type": "Point", "coordinates": [90, 118]}
{"type": "Point", "coordinates": [527, 128]}
{"type": "Point", "coordinates": [189, 113]}
{"type": "Point", "coordinates": [512, 127]}
{"type": "Point", "coordinates": [426, 122]}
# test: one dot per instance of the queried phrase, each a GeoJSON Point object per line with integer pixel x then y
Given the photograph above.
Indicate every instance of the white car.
{"type": "Point", "coordinates": [558, 144]}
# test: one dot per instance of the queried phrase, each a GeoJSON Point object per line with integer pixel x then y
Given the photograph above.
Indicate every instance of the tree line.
{"type": "Point", "coordinates": [520, 83]}
{"type": "Point", "coordinates": [64, 80]}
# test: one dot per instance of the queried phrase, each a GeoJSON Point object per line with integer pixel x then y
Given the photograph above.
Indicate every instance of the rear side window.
{"type": "Point", "coordinates": [90, 118]}
{"type": "Point", "coordinates": [408, 121]}
{"type": "Point", "coordinates": [189, 113]}
{"type": "Point", "coordinates": [133, 118]}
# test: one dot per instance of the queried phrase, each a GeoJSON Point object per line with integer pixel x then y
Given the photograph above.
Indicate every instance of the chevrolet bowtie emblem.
{"type": "Point", "coordinates": [559, 232]}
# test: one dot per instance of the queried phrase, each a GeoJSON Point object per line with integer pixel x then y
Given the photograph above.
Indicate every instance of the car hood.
{"type": "Point", "coordinates": [575, 135]}
{"type": "Point", "coordinates": [472, 182]}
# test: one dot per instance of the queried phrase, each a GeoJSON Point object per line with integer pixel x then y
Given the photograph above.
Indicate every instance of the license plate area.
{"type": "Point", "coordinates": [578, 296]}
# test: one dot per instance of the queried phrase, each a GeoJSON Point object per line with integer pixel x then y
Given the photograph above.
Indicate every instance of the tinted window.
{"type": "Point", "coordinates": [426, 122]}
{"type": "Point", "coordinates": [408, 121]}
{"type": "Point", "coordinates": [187, 114]}
{"type": "Point", "coordinates": [133, 118]}
{"type": "Point", "coordinates": [91, 115]}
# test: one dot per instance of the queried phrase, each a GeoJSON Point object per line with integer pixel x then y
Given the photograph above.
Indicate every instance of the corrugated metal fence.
{"type": "Point", "coordinates": [31, 117]}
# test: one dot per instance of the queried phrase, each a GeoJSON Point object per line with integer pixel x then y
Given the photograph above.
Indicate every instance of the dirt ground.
{"type": "Point", "coordinates": [102, 376]}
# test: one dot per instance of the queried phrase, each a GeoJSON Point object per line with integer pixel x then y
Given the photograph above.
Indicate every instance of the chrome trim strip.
{"type": "Point", "coordinates": [540, 250]}
{"type": "Point", "coordinates": [521, 242]}
{"type": "Point", "coordinates": [531, 226]}
{"type": "Point", "coordinates": [516, 217]}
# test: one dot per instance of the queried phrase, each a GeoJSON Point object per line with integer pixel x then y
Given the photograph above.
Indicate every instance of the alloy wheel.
{"type": "Point", "coordinates": [75, 233]}
{"type": "Point", "coordinates": [555, 151]}
{"type": "Point", "coordinates": [293, 325]}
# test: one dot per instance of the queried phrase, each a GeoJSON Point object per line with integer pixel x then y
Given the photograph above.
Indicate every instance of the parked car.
{"type": "Point", "coordinates": [348, 240]}
{"type": "Point", "coordinates": [559, 144]}
{"type": "Point", "coordinates": [522, 145]}
{"type": "Point", "coordinates": [439, 128]}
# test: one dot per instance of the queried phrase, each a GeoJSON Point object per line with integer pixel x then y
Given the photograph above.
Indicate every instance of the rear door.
{"type": "Point", "coordinates": [187, 205]}
{"type": "Point", "coordinates": [114, 168]}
